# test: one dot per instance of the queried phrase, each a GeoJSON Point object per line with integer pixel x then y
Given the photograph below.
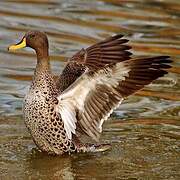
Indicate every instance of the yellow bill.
{"type": "Point", "coordinates": [21, 44]}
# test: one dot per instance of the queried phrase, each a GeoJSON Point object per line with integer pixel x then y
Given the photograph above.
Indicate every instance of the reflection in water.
{"type": "Point", "coordinates": [52, 167]}
{"type": "Point", "coordinates": [144, 130]}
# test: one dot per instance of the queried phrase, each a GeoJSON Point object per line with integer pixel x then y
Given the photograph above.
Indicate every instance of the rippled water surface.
{"type": "Point", "coordinates": [144, 131]}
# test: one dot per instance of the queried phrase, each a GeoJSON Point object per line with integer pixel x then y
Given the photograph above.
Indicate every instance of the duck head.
{"type": "Point", "coordinates": [36, 40]}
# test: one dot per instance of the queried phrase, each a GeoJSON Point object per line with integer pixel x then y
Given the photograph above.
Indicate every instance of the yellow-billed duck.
{"type": "Point", "coordinates": [59, 113]}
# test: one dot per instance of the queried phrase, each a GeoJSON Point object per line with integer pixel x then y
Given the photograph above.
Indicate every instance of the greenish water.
{"type": "Point", "coordinates": [144, 131]}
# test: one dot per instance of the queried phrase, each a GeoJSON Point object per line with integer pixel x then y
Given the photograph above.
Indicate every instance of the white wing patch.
{"type": "Point", "coordinates": [73, 99]}
{"type": "Point", "coordinates": [68, 115]}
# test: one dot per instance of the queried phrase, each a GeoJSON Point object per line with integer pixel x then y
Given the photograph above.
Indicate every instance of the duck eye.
{"type": "Point", "coordinates": [32, 35]}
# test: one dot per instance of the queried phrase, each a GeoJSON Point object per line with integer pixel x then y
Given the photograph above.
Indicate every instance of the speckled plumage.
{"type": "Point", "coordinates": [44, 123]}
{"type": "Point", "coordinates": [59, 113]}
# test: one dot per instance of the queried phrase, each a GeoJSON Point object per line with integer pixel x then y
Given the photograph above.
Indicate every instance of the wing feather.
{"type": "Point", "coordinates": [94, 95]}
{"type": "Point", "coordinates": [95, 57]}
{"type": "Point", "coordinates": [90, 94]}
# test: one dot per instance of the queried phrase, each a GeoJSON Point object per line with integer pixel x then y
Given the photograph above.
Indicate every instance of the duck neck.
{"type": "Point", "coordinates": [42, 61]}
{"type": "Point", "coordinates": [42, 73]}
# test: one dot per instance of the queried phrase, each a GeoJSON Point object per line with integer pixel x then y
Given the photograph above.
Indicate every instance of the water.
{"type": "Point", "coordinates": [144, 130]}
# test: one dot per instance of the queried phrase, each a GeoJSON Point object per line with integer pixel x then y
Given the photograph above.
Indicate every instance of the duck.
{"type": "Point", "coordinates": [60, 112]}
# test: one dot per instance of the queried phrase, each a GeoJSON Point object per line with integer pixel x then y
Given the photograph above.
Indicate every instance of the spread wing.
{"type": "Point", "coordinates": [90, 100]}
{"type": "Point", "coordinates": [111, 50]}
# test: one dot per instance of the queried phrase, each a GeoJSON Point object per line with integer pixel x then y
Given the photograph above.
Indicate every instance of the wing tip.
{"type": "Point", "coordinates": [117, 36]}
{"type": "Point", "coordinates": [164, 62]}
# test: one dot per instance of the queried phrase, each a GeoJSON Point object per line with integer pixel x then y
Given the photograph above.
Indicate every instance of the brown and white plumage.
{"type": "Point", "coordinates": [111, 50]}
{"type": "Point", "coordinates": [95, 94]}
{"type": "Point", "coordinates": [93, 83]}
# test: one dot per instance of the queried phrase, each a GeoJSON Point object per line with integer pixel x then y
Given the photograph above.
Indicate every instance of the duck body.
{"type": "Point", "coordinates": [60, 113]}
{"type": "Point", "coordinates": [43, 122]}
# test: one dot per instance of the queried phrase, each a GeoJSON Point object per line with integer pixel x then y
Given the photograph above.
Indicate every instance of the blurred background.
{"type": "Point", "coordinates": [144, 130]}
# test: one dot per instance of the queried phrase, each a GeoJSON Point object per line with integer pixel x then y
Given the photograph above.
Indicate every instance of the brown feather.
{"type": "Point", "coordinates": [100, 63]}
{"type": "Point", "coordinates": [110, 50]}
